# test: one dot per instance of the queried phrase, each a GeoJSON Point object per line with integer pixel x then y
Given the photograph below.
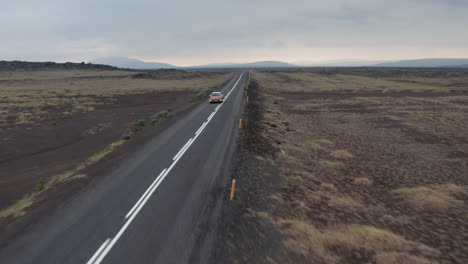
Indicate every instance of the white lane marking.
{"type": "Point", "coordinates": [184, 149]}
{"type": "Point", "coordinates": [198, 131]}
{"type": "Point", "coordinates": [216, 109]}
{"type": "Point", "coordinates": [108, 246]}
{"type": "Point", "coordinates": [98, 252]}
{"type": "Point", "coordinates": [212, 114]}
{"type": "Point", "coordinates": [180, 151]}
{"type": "Point", "coordinates": [137, 210]}
{"type": "Point", "coordinates": [144, 195]}
{"type": "Point", "coordinates": [201, 128]}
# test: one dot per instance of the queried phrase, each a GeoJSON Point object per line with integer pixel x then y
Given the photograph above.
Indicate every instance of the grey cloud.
{"type": "Point", "coordinates": [208, 29]}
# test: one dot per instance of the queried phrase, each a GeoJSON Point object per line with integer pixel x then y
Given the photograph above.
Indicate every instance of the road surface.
{"type": "Point", "coordinates": [148, 208]}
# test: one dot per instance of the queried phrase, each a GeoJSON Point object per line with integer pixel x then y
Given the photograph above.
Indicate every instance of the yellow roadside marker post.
{"type": "Point", "coordinates": [233, 189]}
{"type": "Point", "coordinates": [240, 123]}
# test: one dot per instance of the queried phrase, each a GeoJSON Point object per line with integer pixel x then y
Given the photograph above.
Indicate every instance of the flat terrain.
{"type": "Point", "coordinates": [151, 204]}
{"type": "Point", "coordinates": [54, 123]}
{"type": "Point", "coordinates": [351, 166]}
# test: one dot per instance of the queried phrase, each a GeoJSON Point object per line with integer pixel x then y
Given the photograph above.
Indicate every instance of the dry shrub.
{"type": "Point", "coordinates": [307, 175]}
{"type": "Point", "coordinates": [276, 197]}
{"type": "Point", "coordinates": [321, 245]}
{"type": "Point", "coordinates": [362, 181]}
{"type": "Point", "coordinates": [260, 158]}
{"type": "Point", "coordinates": [436, 197]}
{"type": "Point", "coordinates": [304, 240]}
{"type": "Point", "coordinates": [327, 187]}
{"type": "Point", "coordinates": [375, 239]}
{"type": "Point", "coordinates": [311, 145]}
{"type": "Point", "coordinates": [396, 220]}
{"type": "Point", "coordinates": [331, 164]}
{"type": "Point", "coordinates": [400, 258]}
{"type": "Point", "coordinates": [305, 106]}
{"type": "Point", "coordinates": [341, 154]}
{"type": "Point", "coordinates": [96, 129]}
{"type": "Point", "coordinates": [345, 203]}
{"type": "Point", "coordinates": [317, 144]}
{"type": "Point", "coordinates": [300, 208]}
{"type": "Point", "coordinates": [324, 141]}
{"type": "Point", "coordinates": [293, 162]}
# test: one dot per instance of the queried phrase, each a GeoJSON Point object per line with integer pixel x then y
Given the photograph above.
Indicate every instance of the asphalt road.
{"type": "Point", "coordinates": [147, 209]}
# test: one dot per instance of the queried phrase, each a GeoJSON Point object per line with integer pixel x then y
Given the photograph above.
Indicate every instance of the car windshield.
{"type": "Point", "coordinates": [216, 94]}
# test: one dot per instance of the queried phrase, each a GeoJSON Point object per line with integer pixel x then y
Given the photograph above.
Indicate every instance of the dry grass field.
{"type": "Point", "coordinates": [27, 97]}
{"type": "Point", "coordinates": [353, 166]}
{"type": "Point", "coordinates": [55, 123]}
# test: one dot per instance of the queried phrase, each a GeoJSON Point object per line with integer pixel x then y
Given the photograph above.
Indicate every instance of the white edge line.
{"type": "Point", "coordinates": [178, 153]}
{"type": "Point", "coordinates": [108, 244]}
{"type": "Point", "coordinates": [98, 252]}
{"type": "Point", "coordinates": [143, 196]}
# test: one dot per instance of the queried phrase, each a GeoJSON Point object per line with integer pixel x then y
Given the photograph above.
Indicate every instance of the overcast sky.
{"type": "Point", "coordinates": [208, 31]}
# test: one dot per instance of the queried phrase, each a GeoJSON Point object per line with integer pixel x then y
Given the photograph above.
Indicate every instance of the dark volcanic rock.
{"type": "Point", "coordinates": [25, 65]}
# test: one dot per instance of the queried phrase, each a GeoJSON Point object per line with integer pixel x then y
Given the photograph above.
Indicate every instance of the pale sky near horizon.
{"type": "Point", "coordinates": [188, 33]}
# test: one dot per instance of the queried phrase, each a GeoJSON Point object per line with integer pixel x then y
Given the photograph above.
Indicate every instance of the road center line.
{"type": "Point", "coordinates": [201, 128]}
{"type": "Point", "coordinates": [198, 131]}
{"type": "Point", "coordinates": [212, 114]}
{"type": "Point", "coordinates": [98, 252]}
{"type": "Point", "coordinates": [184, 147]}
{"type": "Point", "coordinates": [109, 243]}
{"type": "Point", "coordinates": [144, 195]}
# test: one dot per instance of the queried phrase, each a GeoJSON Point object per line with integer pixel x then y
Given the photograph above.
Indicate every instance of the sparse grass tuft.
{"type": "Point", "coordinates": [40, 185]}
{"type": "Point", "coordinates": [126, 136]}
{"type": "Point", "coordinates": [345, 203]}
{"type": "Point", "coordinates": [140, 123]}
{"type": "Point", "coordinates": [331, 164]}
{"type": "Point", "coordinates": [305, 240]}
{"type": "Point", "coordinates": [104, 152]}
{"type": "Point", "coordinates": [311, 145]}
{"type": "Point", "coordinates": [277, 198]}
{"type": "Point", "coordinates": [341, 154]}
{"type": "Point", "coordinates": [96, 129]}
{"type": "Point", "coordinates": [400, 258]}
{"type": "Point", "coordinates": [17, 209]}
{"type": "Point", "coordinates": [328, 187]}
{"type": "Point", "coordinates": [260, 158]}
{"type": "Point", "coordinates": [317, 144]}
{"type": "Point", "coordinates": [438, 197]}
{"type": "Point", "coordinates": [362, 181]}
{"type": "Point", "coordinates": [158, 116]}
{"type": "Point", "coordinates": [324, 141]}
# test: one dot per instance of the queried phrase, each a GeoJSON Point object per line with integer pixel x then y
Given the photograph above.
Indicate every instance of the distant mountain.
{"type": "Point", "coordinates": [444, 63]}
{"type": "Point", "coordinates": [257, 64]}
{"type": "Point", "coordinates": [123, 62]}
{"type": "Point", "coordinates": [338, 63]}
{"type": "Point", "coordinates": [457, 66]}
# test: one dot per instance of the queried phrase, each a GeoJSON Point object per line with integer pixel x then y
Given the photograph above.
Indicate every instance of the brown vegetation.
{"type": "Point", "coordinates": [371, 167]}
{"type": "Point", "coordinates": [56, 123]}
